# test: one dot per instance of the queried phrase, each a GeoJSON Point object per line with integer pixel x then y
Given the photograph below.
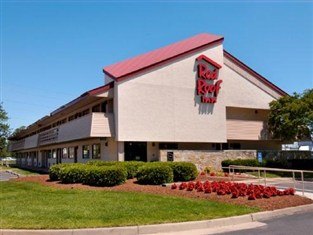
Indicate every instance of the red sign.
{"type": "Point", "coordinates": [208, 85]}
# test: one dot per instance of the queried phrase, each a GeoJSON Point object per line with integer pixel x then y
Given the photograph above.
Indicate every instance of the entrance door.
{"type": "Point", "coordinates": [59, 156]}
{"type": "Point", "coordinates": [135, 151]}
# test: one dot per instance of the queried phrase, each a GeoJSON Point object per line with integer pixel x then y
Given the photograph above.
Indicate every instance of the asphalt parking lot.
{"type": "Point", "coordinates": [288, 225]}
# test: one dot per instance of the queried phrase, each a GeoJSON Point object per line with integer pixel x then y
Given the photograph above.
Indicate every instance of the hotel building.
{"type": "Point", "coordinates": [191, 100]}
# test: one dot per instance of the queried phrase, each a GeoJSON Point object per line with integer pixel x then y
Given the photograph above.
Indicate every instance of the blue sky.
{"type": "Point", "coordinates": [53, 51]}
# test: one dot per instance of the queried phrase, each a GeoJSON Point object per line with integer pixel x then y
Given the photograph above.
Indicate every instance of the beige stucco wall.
{"type": "Point", "coordinates": [240, 92]}
{"type": "Point", "coordinates": [161, 105]}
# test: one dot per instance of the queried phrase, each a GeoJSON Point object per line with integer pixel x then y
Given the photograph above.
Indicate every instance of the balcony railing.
{"type": "Point", "coordinates": [48, 137]}
{"type": "Point", "coordinates": [91, 125]}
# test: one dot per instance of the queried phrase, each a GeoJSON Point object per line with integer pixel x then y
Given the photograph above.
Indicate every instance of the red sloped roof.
{"type": "Point", "coordinates": [100, 89]}
{"type": "Point", "coordinates": [138, 63]}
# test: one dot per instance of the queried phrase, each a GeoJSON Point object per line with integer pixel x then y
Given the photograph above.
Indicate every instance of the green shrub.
{"type": "Point", "coordinates": [184, 171]}
{"type": "Point", "coordinates": [105, 175]}
{"type": "Point", "coordinates": [54, 171]}
{"type": "Point", "coordinates": [155, 173]}
{"type": "Point", "coordinates": [132, 168]}
{"type": "Point", "coordinates": [73, 173]}
{"type": "Point", "coordinates": [101, 163]}
{"type": "Point", "coordinates": [242, 162]}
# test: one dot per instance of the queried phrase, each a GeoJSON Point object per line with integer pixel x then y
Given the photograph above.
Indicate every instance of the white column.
{"type": "Point", "coordinates": [120, 151]}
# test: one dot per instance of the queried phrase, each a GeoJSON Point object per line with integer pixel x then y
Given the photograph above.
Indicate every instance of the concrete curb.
{"type": "Point", "coordinates": [13, 173]}
{"type": "Point", "coordinates": [169, 227]}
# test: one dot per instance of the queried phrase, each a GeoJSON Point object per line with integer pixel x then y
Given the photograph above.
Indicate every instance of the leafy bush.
{"type": "Point", "coordinates": [101, 163]}
{"type": "Point", "coordinates": [105, 176]}
{"type": "Point", "coordinates": [132, 168]}
{"type": "Point", "coordinates": [184, 171]}
{"type": "Point", "coordinates": [155, 173]}
{"type": "Point", "coordinates": [73, 173]}
{"type": "Point", "coordinates": [54, 171]}
{"type": "Point", "coordinates": [242, 162]}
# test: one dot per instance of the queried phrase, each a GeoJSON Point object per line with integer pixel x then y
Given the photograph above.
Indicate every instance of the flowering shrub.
{"type": "Point", "coordinates": [236, 190]}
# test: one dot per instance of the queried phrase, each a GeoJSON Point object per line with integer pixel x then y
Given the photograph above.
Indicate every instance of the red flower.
{"type": "Point", "coordinates": [174, 186]}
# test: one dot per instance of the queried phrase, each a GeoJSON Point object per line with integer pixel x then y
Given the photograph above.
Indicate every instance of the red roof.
{"type": "Point", "coordinates": [144, 61]}
{"type": "Point", "coordinates": [100, 89]}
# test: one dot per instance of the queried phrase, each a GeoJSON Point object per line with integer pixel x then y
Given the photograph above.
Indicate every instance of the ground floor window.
{"type": "Point", "coordinates": [86, 151]}
{"type": "Point", "coordinates": [171, 146]}
{"type": "Point", "coordinates": [54, 153]}
{"type": "Point", "coordinates": [64, 153]}
{"type": "Point", "coordinates": [96, 151]}
{"type": "Point", "coordinates": [71, 152]}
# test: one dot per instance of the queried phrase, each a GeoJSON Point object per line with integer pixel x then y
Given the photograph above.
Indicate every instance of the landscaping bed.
{"type": "Point", "coordinates": [132, 186]}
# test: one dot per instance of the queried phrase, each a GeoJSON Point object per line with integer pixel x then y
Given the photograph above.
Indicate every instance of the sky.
{"type": "Point", "coordinates": [53, 51]}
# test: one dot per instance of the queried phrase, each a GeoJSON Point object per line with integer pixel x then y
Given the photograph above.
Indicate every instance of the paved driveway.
{"type": "Point", "coordinates": [294, 224]}
{"type": "Point", "coordinates": [5, 176]}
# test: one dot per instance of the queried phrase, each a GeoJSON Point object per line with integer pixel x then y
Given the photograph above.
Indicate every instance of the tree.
{"type": "Point", "coordinates": [291, 117]}
{"type": "Point", "coordinates": [17, 131]}
{"type": "Point", "coordinates": [4, 132]}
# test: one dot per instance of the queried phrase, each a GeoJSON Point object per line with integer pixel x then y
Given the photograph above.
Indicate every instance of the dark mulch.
{"type": "Point", "coordinates": [272, 203]}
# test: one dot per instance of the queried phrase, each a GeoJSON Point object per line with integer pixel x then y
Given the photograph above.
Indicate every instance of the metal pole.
{"type": "Point", "coordinates": [265, 177]}
{"type": "Point", "coordinates": [294, 179]}
{"type": "Point", "coordinates": [229, 177]}
{"type": "Point", "coordinates": [302, 178]}
{"type": "Point", "coordinates": [232, 176]}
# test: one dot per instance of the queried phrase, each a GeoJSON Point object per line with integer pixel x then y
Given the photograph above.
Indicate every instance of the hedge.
{"type": "Point", "coordinates": [105, 176]}
{"type": "Point", "coordinates": [131, 166]}
{"type": "Point", "coordinates": [72, 173]}
{"type": "Point", "coordinates": [184, 171]}
{"type": "Point", "coordinates": [54, 171]}
{"type": "Point", "coordinates": [155, 173]}
{"type": "Point", "coordinates": [242, 162]}
{"type": "Point", "coordinates": [101, 163]}
{"type": "Point", "coordinates": [106, 173]}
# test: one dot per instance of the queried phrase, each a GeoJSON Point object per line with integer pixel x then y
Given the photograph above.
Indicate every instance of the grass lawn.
{"type": "Point", "coordinates": [18, 170]}
{"type": "Point", "coordinates": [274, 174]}
{"type": "Point", "coordinates": [270, 174]}
{"type": "Point", "coordinates": [30, 205]}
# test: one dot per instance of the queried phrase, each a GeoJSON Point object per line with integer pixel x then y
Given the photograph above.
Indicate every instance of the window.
{"type": "Point", "coordinates": [96, 151]}
{"type": "Point", "coordinates": [96, 108]}
{"type": "Point", "coordinates": [170, 146]}
{"type": "Point", "coordinates": [235, 146]}
{"type": "Point", "coordinates": [86, 151]}
{"type": "Point", "coordinates": [54, 153]}
{"type": "Point", "coordinates": [224, 146]}
{"type": "Point", "coordinates": [64, 153]}
{"type": "Point", "coordinates": [71, 152]}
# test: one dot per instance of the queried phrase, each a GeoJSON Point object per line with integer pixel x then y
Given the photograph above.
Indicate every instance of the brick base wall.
{"type": "Point", "coordinates": [205, 158]}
